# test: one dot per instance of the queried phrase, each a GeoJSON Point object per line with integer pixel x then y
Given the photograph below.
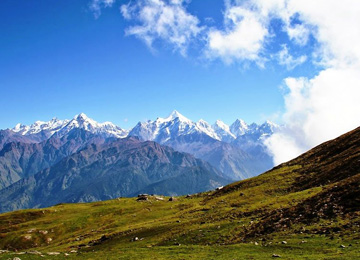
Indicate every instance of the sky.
{"type": "Point", "coordinates": [293, 62]}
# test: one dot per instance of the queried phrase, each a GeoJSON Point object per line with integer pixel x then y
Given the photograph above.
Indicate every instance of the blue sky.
{"type": "Point", "coordinates": [293, 62]}
{"type": "Point", "coordinates": [57, 59]}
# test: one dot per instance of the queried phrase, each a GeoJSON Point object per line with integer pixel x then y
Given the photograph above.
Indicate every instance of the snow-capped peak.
{"type": "Point", "coordinates": [84, 122]}
{"type": "Point", "coordinates": [18, 127]}
{"type": "Point", "coordinates": [268, 127]}
{"type": "Point", "coordinates": [62, 127]}
{"type": "Point", "coordinates": [82, 116]}
{"type": "Point", "coordinates": [203, 123]}
{"type": "Point", "coordinates": [163, 129]}
{"type": "Point", "coordinates": [239, 127]}
{"type": "Point", "coordinates": [173, 116]}
{"type": "Point", "coordinates": [206, 128]}
{"type": "Point", "coordinates": [223, 131]}
{"type": "Point", "coordinates": [221, 124]}
{"type": "Point", "coordinates": [240, 123]}
{"type": "Point", "coordinates": [39, 126]}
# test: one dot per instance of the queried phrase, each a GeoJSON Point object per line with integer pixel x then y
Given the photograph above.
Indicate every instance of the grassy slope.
{"type": "Point", "coordinates": [245, 220]}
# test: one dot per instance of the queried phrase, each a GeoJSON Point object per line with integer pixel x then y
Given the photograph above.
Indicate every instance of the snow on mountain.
{"type": "Point", "coordinates": [260, 132]}
{"type": "Point", "coordinates": [63, 127]}
{"type": "Point", "coordinates": [237, 150]}
{"type": "Point", "coordinates": [164, 129]}
{"type": "Point", "coordinates": [237, 157]}
{"type": "Point", "coordinates": [82, 121]}
{"type": "Point", "coordinates": [161, 130]}
{"type": "Point", "coordinates": [52, 126]}
{"type": "Point", "coordinates": [239, 127]}
{"type": "Point", "coordinates": [206, 128]}
{"type": "Point", "coordinates": [268, 128]}
{"type": "Point", "coordinates": [223, 131]}
{"type": "Point", "coordinates": [252, 140]}
{"type": "Point", "coordinates": [174, 125]}
{"type": "Point", "coordinates": [175, 115]}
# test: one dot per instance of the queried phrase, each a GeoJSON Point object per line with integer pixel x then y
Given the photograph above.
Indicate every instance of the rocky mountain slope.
{"type": "Point", "coordinates": [104, 171]}
{"type": "Point", "coordinates": [20, 160]}
{"type": "Point", "coordinates": [8, 136]}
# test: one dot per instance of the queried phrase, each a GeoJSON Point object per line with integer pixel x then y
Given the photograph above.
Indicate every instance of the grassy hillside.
{"type": "Point", "coordinates": [307, 208]}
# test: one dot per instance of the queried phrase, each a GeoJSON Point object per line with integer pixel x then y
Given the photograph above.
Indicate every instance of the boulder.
{"type": "Point", "coordinates": [142, 197]}
{"type": "Point", "coordinates": [173, 199]}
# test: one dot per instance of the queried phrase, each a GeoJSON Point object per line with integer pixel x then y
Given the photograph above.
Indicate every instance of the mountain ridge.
{"type": "Point", "coordinates": [109, 170]}
{"type": "Point", "coordinates": [250, 156]}
{"type": "Point", "coordinates": [19, 160]}
{"type": "Point", "coordinates": [237, 128]}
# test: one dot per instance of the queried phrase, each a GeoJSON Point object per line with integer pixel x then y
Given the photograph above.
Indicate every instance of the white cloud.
{"type": "Point", "coordinates": [335, 27]}
{"type": "Point", "coordinates": [286, 59]}
{"type": "Point", "coordinates": [247, 33]}
{"type": "Point", "coordinates": [323, 107]}
{"type": "Point", "coordinates": [243, 38]}
{"type": "Point", "coordinates": [96, 6]}
{"type": "Point", "coordinates": [161, 19]}
{"type": "Point", "coordinates": [299, 33]}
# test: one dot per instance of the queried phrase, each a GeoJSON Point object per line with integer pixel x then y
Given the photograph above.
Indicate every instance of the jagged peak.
{"type": "Point", "coordinates": [240, 121]}
{"type": "Point", "coordinates": [173, 116]}
{"type": "Point", "coordinates": [239, 124]}
{"type": "Point", "coordinates": [108, 123]}
{"type": "Point", "coordinates": [203, 122]}
{"type": "Point", "coordinates": [55, 120]}
{"type": "Point", "coordinates": [221, 124]}
{"type": "Point", "coordinates": [83, 120]}
{"type": "Point", "coordinates": [18, 126]}
{"type": "Point", "coordinates": [270, 126]}
{"type": "Point", "coordinates": [268, 122]}
{"type": "Point", "coordinates": [39, 122]}
{"type": "Point", "coordinates": [63, 126]}
{"type": "Point", "coordinates": [81, 116]}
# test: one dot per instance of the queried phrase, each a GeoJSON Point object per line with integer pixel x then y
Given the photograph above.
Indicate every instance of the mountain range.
{"type": "Point", "coordinates": [160, 130]}
{"type": "Point", "coordinates": [307, 208]}
{"type": "Point", "coordinates": [29, 153]}
{"type": "Point", "coordinates": [237, 150]}
{"type": "Point", "coordinates": [101, 171]}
